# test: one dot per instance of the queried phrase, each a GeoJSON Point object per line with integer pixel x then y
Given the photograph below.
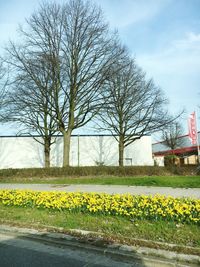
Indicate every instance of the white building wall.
{"type": "Point", "coordinates": [25, 152]}
{"type": "Point", "coordinates": [159, 160]}
{"type": "Point", "coordinates": [20, 152]}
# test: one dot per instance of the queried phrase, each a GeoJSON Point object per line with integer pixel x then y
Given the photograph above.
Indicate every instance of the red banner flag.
{"type": "Point", "coordinates": [192, 128]}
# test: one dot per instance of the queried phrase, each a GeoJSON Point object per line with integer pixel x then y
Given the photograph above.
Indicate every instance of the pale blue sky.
{"type": "Point", "coordinates": [163, 35]}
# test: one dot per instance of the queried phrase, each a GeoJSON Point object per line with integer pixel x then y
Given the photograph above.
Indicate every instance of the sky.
{"type": "Point", "coordinates": [162, 35]}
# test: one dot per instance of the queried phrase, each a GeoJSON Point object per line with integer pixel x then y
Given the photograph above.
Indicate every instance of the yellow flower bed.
{"type": "Point", "coordinates": [140, 207]}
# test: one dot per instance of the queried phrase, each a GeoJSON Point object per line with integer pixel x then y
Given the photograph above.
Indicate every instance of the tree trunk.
{"type": "Point", "coordinates": [121, 151]}
{"type": "Point", "coordinates": [66, 147]}
{"type": "Point", "coordinates": [47, 144]}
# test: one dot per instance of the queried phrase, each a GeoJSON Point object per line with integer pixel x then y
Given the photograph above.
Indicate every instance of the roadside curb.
{"type": "Point", "coordinates": [84, 240]}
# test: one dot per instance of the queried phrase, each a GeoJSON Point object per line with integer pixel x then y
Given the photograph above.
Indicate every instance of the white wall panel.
{"type": "Point", "coordinates": [25, 152]}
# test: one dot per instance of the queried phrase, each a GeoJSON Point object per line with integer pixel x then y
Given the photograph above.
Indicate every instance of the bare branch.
{"type": "Point", "coordinates": [133, 107]}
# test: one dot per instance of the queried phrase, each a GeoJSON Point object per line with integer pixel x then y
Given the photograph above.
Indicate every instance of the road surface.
{"type": "Point", "coordinates": [19, 252]}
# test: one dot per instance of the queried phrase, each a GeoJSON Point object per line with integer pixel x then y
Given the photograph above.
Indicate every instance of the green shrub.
{"type": "Point", "coordinates": [170, 160]}
{"type": "Point", "coordinates": [97, 171]}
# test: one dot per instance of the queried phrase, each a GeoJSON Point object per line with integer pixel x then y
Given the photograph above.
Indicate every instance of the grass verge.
{"type": "Point", "coordinates": [163, 181]}
{"type": "Point", "coordinates": [116, 229]}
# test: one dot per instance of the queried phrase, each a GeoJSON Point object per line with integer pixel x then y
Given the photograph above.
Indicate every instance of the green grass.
{"type": "Point", "coordinates": [114, 228]}
{"type": "Point", "coordinates": [166, 181]}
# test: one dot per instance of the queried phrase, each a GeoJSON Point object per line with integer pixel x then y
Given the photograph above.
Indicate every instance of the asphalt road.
{"type": "Point", "coordinates": [18, 252]}
{"type": "Point", "coordinates": [110, 189]}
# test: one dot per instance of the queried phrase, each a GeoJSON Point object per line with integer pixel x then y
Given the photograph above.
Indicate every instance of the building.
{"type": "Point", "coordinates": [187, 153]}
{"type": "Point", "coordinates": [86, 150]}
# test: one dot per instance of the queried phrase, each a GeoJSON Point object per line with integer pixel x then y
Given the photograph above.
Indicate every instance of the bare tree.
{"type": "Point", "coordinates": [133, 106]}
{"type": "Point", "coordinates": [3, 86]}
{"type": "Point", "coordinates": [29, 97]}
{"type": "Point", "coordinates": [89, 51]}
{"type": "Point", "coordinates": [76, 42]}
{"type": "Point", "coordinates": [171, 135]}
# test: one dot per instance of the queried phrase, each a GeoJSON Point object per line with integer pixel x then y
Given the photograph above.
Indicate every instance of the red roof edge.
{"type": "Point", "coordinates": [176, 151]}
